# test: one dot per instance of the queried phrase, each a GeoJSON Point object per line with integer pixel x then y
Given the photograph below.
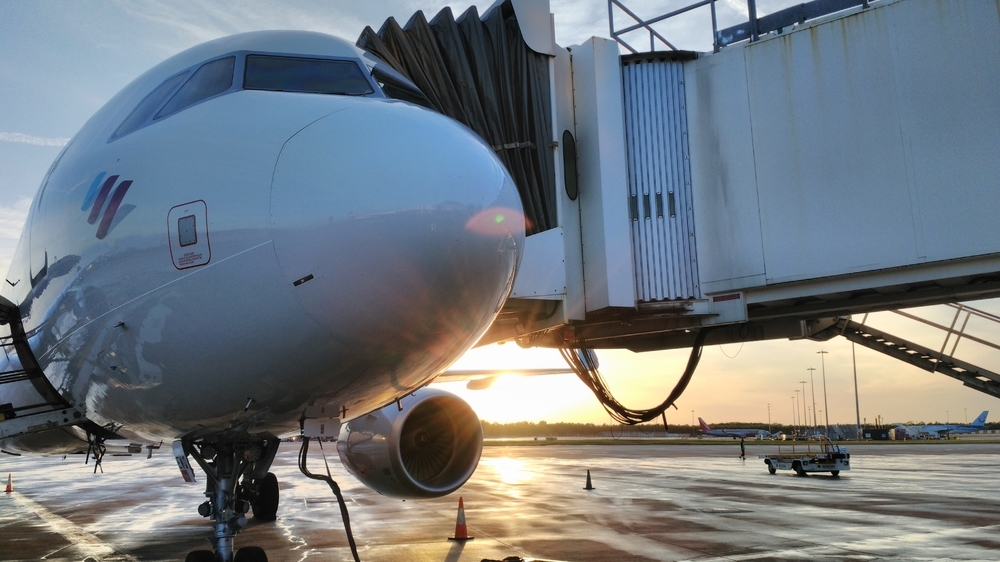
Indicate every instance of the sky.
{"type": "Point", "coordinates": [61, 61]}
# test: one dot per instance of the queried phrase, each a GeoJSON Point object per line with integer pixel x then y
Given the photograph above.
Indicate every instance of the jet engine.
{"type": "Point", "coordinates": [425, 446]}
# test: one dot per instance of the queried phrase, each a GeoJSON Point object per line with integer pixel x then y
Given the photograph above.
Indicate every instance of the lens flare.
{"type": "Point", "coordinates": [496, 221]}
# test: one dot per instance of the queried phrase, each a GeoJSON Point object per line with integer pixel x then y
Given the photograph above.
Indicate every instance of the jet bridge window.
{"type": "Point", "coordinates": [211, 79]}
{"type": "Point", "coordinates": [316, 76]}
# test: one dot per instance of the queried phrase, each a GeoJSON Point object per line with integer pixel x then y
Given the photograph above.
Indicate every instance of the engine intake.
{"type": "Point", "coordinates": [427, 449]}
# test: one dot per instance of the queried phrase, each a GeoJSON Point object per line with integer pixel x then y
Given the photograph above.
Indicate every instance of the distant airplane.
{"type": "Point", "coordinates": [944, 430]}
{"type": "Point", "coordinates": [481, 379]}
{"type": "Point", "coordinates": [734, 433]}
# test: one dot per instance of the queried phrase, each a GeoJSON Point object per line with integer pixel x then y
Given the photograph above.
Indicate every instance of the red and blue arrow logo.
{"type": "Point", "coordinates": [101, 193]}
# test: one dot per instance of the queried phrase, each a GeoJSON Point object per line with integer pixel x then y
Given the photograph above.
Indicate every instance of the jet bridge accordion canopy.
{"type": "Point", "coordinates": [480, 71]}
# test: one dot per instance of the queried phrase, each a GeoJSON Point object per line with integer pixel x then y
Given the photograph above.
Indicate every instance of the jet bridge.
{"type": "Point", "coordinates": [837, 157]}
{"type": "Point", "coordinates": [834, 158]}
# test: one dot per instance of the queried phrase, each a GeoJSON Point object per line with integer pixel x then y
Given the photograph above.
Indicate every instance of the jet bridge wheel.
{"type": "Point", "coordinates": [265, 506]}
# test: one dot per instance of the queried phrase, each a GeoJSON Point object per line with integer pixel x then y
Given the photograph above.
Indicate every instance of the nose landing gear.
{"type": "Point", "coordinates": [237, 469]}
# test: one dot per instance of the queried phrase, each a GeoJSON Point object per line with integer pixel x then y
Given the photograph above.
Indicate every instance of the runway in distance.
{"type": "Point", "coordinates": [944, 430]}
{"type": "Point", "coordinates": [248, 238]}
{"type": "Point", "coordinates": [734, 433]}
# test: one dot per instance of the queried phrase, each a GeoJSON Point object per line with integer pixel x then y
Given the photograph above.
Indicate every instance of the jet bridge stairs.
{"type": "Point", "coordinates": [941, 361]}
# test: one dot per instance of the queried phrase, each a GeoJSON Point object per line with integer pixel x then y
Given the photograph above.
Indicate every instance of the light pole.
{"type": "Point", "coordinates": [769, 417]}
{"type": "Point", "coordinates": [947, 417]}
{"type": "Point", "coordinates": [795, 412]}
{"type": "Point", "coordinates": [826, 407]}
{"type": "Point", "coordinates": [966, 410]}
{"type": "Point", "coordinates": [812, 386]}
{"type": "Point", "coordinates": [857, 403]}
{"type": "Point", "coordinates": [804, 417]}
{"type": "Point", "coordinates": [692, 419]}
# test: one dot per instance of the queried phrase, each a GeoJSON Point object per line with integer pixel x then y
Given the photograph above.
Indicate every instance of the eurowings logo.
{"type": "Point", "coordinates": [101, 192]}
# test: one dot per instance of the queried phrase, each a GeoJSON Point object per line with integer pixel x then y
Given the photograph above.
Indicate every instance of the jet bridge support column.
{"type": "Point", "coordinates": [609, 277]}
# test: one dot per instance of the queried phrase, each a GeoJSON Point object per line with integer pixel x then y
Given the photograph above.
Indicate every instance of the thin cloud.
{"type": "Point", "coordinates": [12, 219]}
{"type": "Point", "coordinates": [11, 222]}
{"type": "Point", "coordinates": [32, 140]}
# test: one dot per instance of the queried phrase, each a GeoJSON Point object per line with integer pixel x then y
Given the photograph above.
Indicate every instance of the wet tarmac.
{"type": "Point", "coordinates": [651, 502]}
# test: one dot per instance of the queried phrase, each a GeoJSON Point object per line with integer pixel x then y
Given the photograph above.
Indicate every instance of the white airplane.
{"type": "Point", "coordinates": [734, 433]}
{"type": "Point", "coordinates": [944, 430]}
{"type": "Point", "coordinates": [250, 235]}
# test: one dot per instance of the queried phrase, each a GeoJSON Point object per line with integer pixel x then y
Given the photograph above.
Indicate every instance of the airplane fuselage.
{"type": "Point", "coordinates": [292, 247]}
{"type": "Point", "coordinates": [944, 430]}
{"type": "Point", "coordinates": [734, 433]}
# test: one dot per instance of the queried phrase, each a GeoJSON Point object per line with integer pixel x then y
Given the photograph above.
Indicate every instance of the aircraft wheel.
{"type": "Point", "coordinates": [250, 554]}
{"type": "Point", "coordinates": [200, 556]}
{"type": "Point", "coordinates": [265, 508]}
{"type": "Point", "coordinates": [835, 472]}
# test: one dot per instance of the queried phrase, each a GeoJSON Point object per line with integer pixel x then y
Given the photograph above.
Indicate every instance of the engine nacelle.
{"type": "Point", "coordinates": [427, 449]}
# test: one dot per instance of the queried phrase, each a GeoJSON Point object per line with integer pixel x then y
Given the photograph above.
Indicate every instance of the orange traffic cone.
{"type": "Point", "coordinates": [461, 532]}
{"type": "Point", "coordinates": [10, 485]}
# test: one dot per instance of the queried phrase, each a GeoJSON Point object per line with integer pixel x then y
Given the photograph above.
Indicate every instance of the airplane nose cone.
{"type": "Point", "coordinates": [395, 224]}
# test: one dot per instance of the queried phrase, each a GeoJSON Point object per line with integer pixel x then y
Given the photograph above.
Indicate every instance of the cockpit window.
{"type": "Point", "coordinates": [316, 76]}
{"type": "Point", "coordinates": [211, 79]}
{"type": "Point", "coordinates": [148, 105]}
{"type": "Point", "coordinates": [260, 72]}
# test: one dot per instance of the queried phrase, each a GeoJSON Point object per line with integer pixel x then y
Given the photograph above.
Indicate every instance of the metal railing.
{"type": "Point", "coordinates": [646, 24]}
{"type": "Point", "coordinates": [750, 30]}
{"type": "Point", "coordinates": [958, 332]}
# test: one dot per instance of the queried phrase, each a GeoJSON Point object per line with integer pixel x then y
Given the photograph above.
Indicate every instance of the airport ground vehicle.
{"type": "Point", "coordinates": [821, 457]}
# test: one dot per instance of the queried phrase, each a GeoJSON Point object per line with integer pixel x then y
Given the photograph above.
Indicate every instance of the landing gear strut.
{"type": "Point", "coordinates": [236, 465]}
{"type": "Point", "coordinates": [96, 449]}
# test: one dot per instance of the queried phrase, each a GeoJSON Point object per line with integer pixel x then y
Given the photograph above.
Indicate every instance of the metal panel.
{"type": "Point", "coordinates": [849, 153]}
{"type": "Point", "coordinates": [908, 176]}
{"type": "Point", "coordinates": [660, 203]}
{"type": "Point", "coordinates": [542, 273]}
{"type": "Point", "coordinates": [603, 170]}
{"type": "Point", "coordinates": [726, 209]}
{"type": "Point", "coordinates": [574, 306]}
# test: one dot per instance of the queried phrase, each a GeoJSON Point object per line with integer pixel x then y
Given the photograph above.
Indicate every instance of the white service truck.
{"type": "Point", "coordinates": [824, 457]}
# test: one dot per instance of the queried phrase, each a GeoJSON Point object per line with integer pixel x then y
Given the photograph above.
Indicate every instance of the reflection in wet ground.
{"type": "Point", "coordinates": [651, 502]}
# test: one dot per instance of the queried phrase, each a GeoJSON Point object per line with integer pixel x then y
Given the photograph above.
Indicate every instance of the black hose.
{"type": "Point", "coordinates": [303, 453]}
{"type": "Point", "coordinates": [581, 365]}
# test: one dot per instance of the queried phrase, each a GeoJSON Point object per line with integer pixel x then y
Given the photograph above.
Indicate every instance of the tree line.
{"type": "Point", "coordinates": [565, 429]}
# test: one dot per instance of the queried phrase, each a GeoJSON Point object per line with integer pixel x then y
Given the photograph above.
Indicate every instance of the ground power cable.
{"type": "Point", "coordinates": [583, 362]}
{"type": "Point", "coordinates": [303, 455]}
